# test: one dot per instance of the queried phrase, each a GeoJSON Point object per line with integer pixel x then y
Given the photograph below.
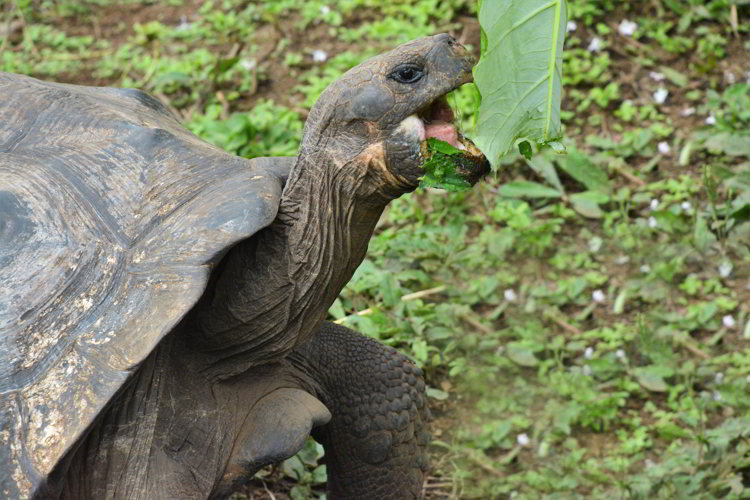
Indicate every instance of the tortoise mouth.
{"type": "Point", "coordinates": [437, 111]}
{"type": "Point", "coordinates": [438, 122]}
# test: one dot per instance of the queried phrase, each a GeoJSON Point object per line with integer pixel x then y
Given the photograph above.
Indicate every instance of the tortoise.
{"type": "Point", "coordinates": [162, 302]}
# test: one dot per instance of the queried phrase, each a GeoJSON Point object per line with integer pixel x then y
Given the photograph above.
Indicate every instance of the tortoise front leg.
{"type": "Point", "coordinates": [375, 443]}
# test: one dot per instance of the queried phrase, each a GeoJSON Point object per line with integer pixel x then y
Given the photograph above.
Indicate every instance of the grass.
{"type": "Point", "coordinates": [582, 320]}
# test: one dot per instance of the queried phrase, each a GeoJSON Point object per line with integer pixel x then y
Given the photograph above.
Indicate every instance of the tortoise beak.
{"type": "Point", "coordinates": [452, 60]}
{"type": "Point", "coordinates": [472, 165]}
{"type": "Point", "coordinates": [464, 61]}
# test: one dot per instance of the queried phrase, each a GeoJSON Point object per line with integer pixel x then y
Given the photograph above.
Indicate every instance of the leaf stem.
{"type": "Point", "coordinates": [551, 68]}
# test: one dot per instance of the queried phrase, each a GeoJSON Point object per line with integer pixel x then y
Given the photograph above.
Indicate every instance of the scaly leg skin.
{"type": "Point", "coordinates": [375, 443]}
{"type": "Point", "coordinates": [173, 434]}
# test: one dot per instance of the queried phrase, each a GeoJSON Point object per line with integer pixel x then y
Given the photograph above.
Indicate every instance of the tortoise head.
{"type": "Point", "coordinates": [379, 112]}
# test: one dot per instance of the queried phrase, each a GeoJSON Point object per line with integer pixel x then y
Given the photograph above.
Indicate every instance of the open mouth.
{"type": "Point", "coordinates": [437, 119]}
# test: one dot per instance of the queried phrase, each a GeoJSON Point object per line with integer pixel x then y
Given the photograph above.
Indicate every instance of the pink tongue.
{"type": "Point", "coordinates": [443, 131]}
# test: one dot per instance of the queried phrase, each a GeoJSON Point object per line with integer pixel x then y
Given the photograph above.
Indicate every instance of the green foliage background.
{"type": "Point", "coordinates": [582, 320]}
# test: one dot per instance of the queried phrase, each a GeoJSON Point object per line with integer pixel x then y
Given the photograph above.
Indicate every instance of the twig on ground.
{"type": "Point", "coordinates": [693, 348]}
{"type": "Point", "coordinates": [422, 293]}
{"type": "Point", "coordinates": [476, 324]}
{"type": "Point", "coordinates": [563, 324]}
{"type": "Point", "coordinates": [270, 494]}
{"type": "Point", "coordinates": [632, 178]}
{"type": "Point", "coordinates": [405, 298]}
{"type": "Point", "coordinates": [486, 467]}
{"type": "Point", "coordinates": [224, 113]}
{"type": "Point", "coordinates": [734, 20]}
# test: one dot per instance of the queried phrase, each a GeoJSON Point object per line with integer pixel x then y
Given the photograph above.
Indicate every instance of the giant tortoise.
{"type": "Point", "coordinates": [162, 302]}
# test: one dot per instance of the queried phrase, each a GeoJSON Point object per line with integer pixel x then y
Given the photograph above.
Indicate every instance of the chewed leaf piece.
{"type": "Point", "coordinates": [447, 167]}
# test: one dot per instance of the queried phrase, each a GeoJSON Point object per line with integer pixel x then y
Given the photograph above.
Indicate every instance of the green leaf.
{"type": "Point", "coordinates": [224, 65]}
{"type": "Point", "coordinates": [527, 189]}
{"type": "Point", "coordinates": [293, 467]}
{"type": "Point", "coordinates": [619, 305]}
{"type": "Point", "coordinates": [728, 143]}
{"type": "Point", "coordinates": [440, 167]}
{"type": "Point", "coordinates": [652, 378]}
{"type": "Point", "coordinates": [441, 147]}
{"type": "Point", "coordinates": [587, 203]}
{"type": "Point", "coordinates": [702, 235]}
{"type": "Point", "coordinates": [674, 76]}
{"type": "Point", "coordinates": [524, 147]}
{"type": "Point", "coordinates": [337, 309]}
{"type": "Point", "coordinates": [436, 394]}
{"type": "Point", "coordinates": [172, 77]}
{"type": "Point", "coordinates": [521, 355]}
{"type": "Point", "coordinates": [519, 74]}
{"type": "Point", "coordinates": [544, 168]}
{"type": "Point", "coordinates": [320, 474]}
{"type": "Point", "coordinates": [579, 167]}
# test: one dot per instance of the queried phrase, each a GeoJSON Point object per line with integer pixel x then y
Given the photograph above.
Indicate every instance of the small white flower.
{"type": "Point", "coordinates": [645, 268]}
{"type": "Point", "coordinates": [652, 222]}
{"type": "Point", "coordinates": [588, 353]}
{"type": "Point", "coordinates": [586, 370]}
{"type": "Point", "coordinates": [598, 296]}
{"type": "Point", "coordinates": [649, 463]}
{"type": "Point", "coordinates": [716, 396]}
{"type": "Point", "coordinates": [664, 147]}
{"type": "Point", "coordinates": [571, 26]}
{"type": "Point", "coordinates": [719, 378]}
{"type": "Point", "coordinates": [655, 75]}
{"type": "Point", "coordinates": [710, 120]}
{"type": "Point", "coordinates": [184, 23]}
{"type": "Point", "coordinates": [319, 55]}
{"type": "Point", "coordinates": [660, 96]}
{"type": "Point", "coordinates": [523, 439]}
{"type": "Point", "coordinates": [688, 111]}
{"type": "Point", "coordinates": [653, 204]}
{"type": "Point", "coordinates": [324, 9]}
{"type": "Point", "coordinates": [595, 45]}
{"type": "Point", "coordinates": [728, 321]}
{"type": "Point", "coordinates": [686, 206]}
{"type": "Point", "coordinates": [725, 269]}
{"type": "Point", "coordinates": [622, 259]}
{"type": "Point", "coordinates": [248, 64]}
{"type": "Point", "coordinates": [627, 28]}
{"type": "Point", "coordinates": [730, 77]}
{"type": "Point", "coordinates": [595, 244]}
{"type": "Point", "coordinates": [620, 354]}
{"type": "Point", "coordinates": [510, 295]}
{"type": "Point", "coordinates": [747, 379]}
{"type": "Point", "coordinates": [747, 77]}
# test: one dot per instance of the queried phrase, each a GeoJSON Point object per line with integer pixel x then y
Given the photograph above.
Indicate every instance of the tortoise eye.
{"type": "Point", "coordinates": [407, 73]}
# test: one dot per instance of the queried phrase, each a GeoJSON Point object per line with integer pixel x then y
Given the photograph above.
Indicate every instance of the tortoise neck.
{"type": "Point", "coordinates": [275, 288]}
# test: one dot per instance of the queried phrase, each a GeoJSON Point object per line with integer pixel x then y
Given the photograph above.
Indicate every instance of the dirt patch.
{"type": "Point", "coordinates": [116, 22]}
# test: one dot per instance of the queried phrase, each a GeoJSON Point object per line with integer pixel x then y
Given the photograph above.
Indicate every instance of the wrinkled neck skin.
{"type": "Point", "coordinates": [275, 288]}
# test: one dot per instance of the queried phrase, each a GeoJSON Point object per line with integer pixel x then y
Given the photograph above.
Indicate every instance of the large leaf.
{"type": "Point", "coordinates": [519, 74]}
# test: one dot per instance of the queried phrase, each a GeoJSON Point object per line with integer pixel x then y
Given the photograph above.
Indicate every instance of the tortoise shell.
{"type": "Point", "coordinates": [111, 217]}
